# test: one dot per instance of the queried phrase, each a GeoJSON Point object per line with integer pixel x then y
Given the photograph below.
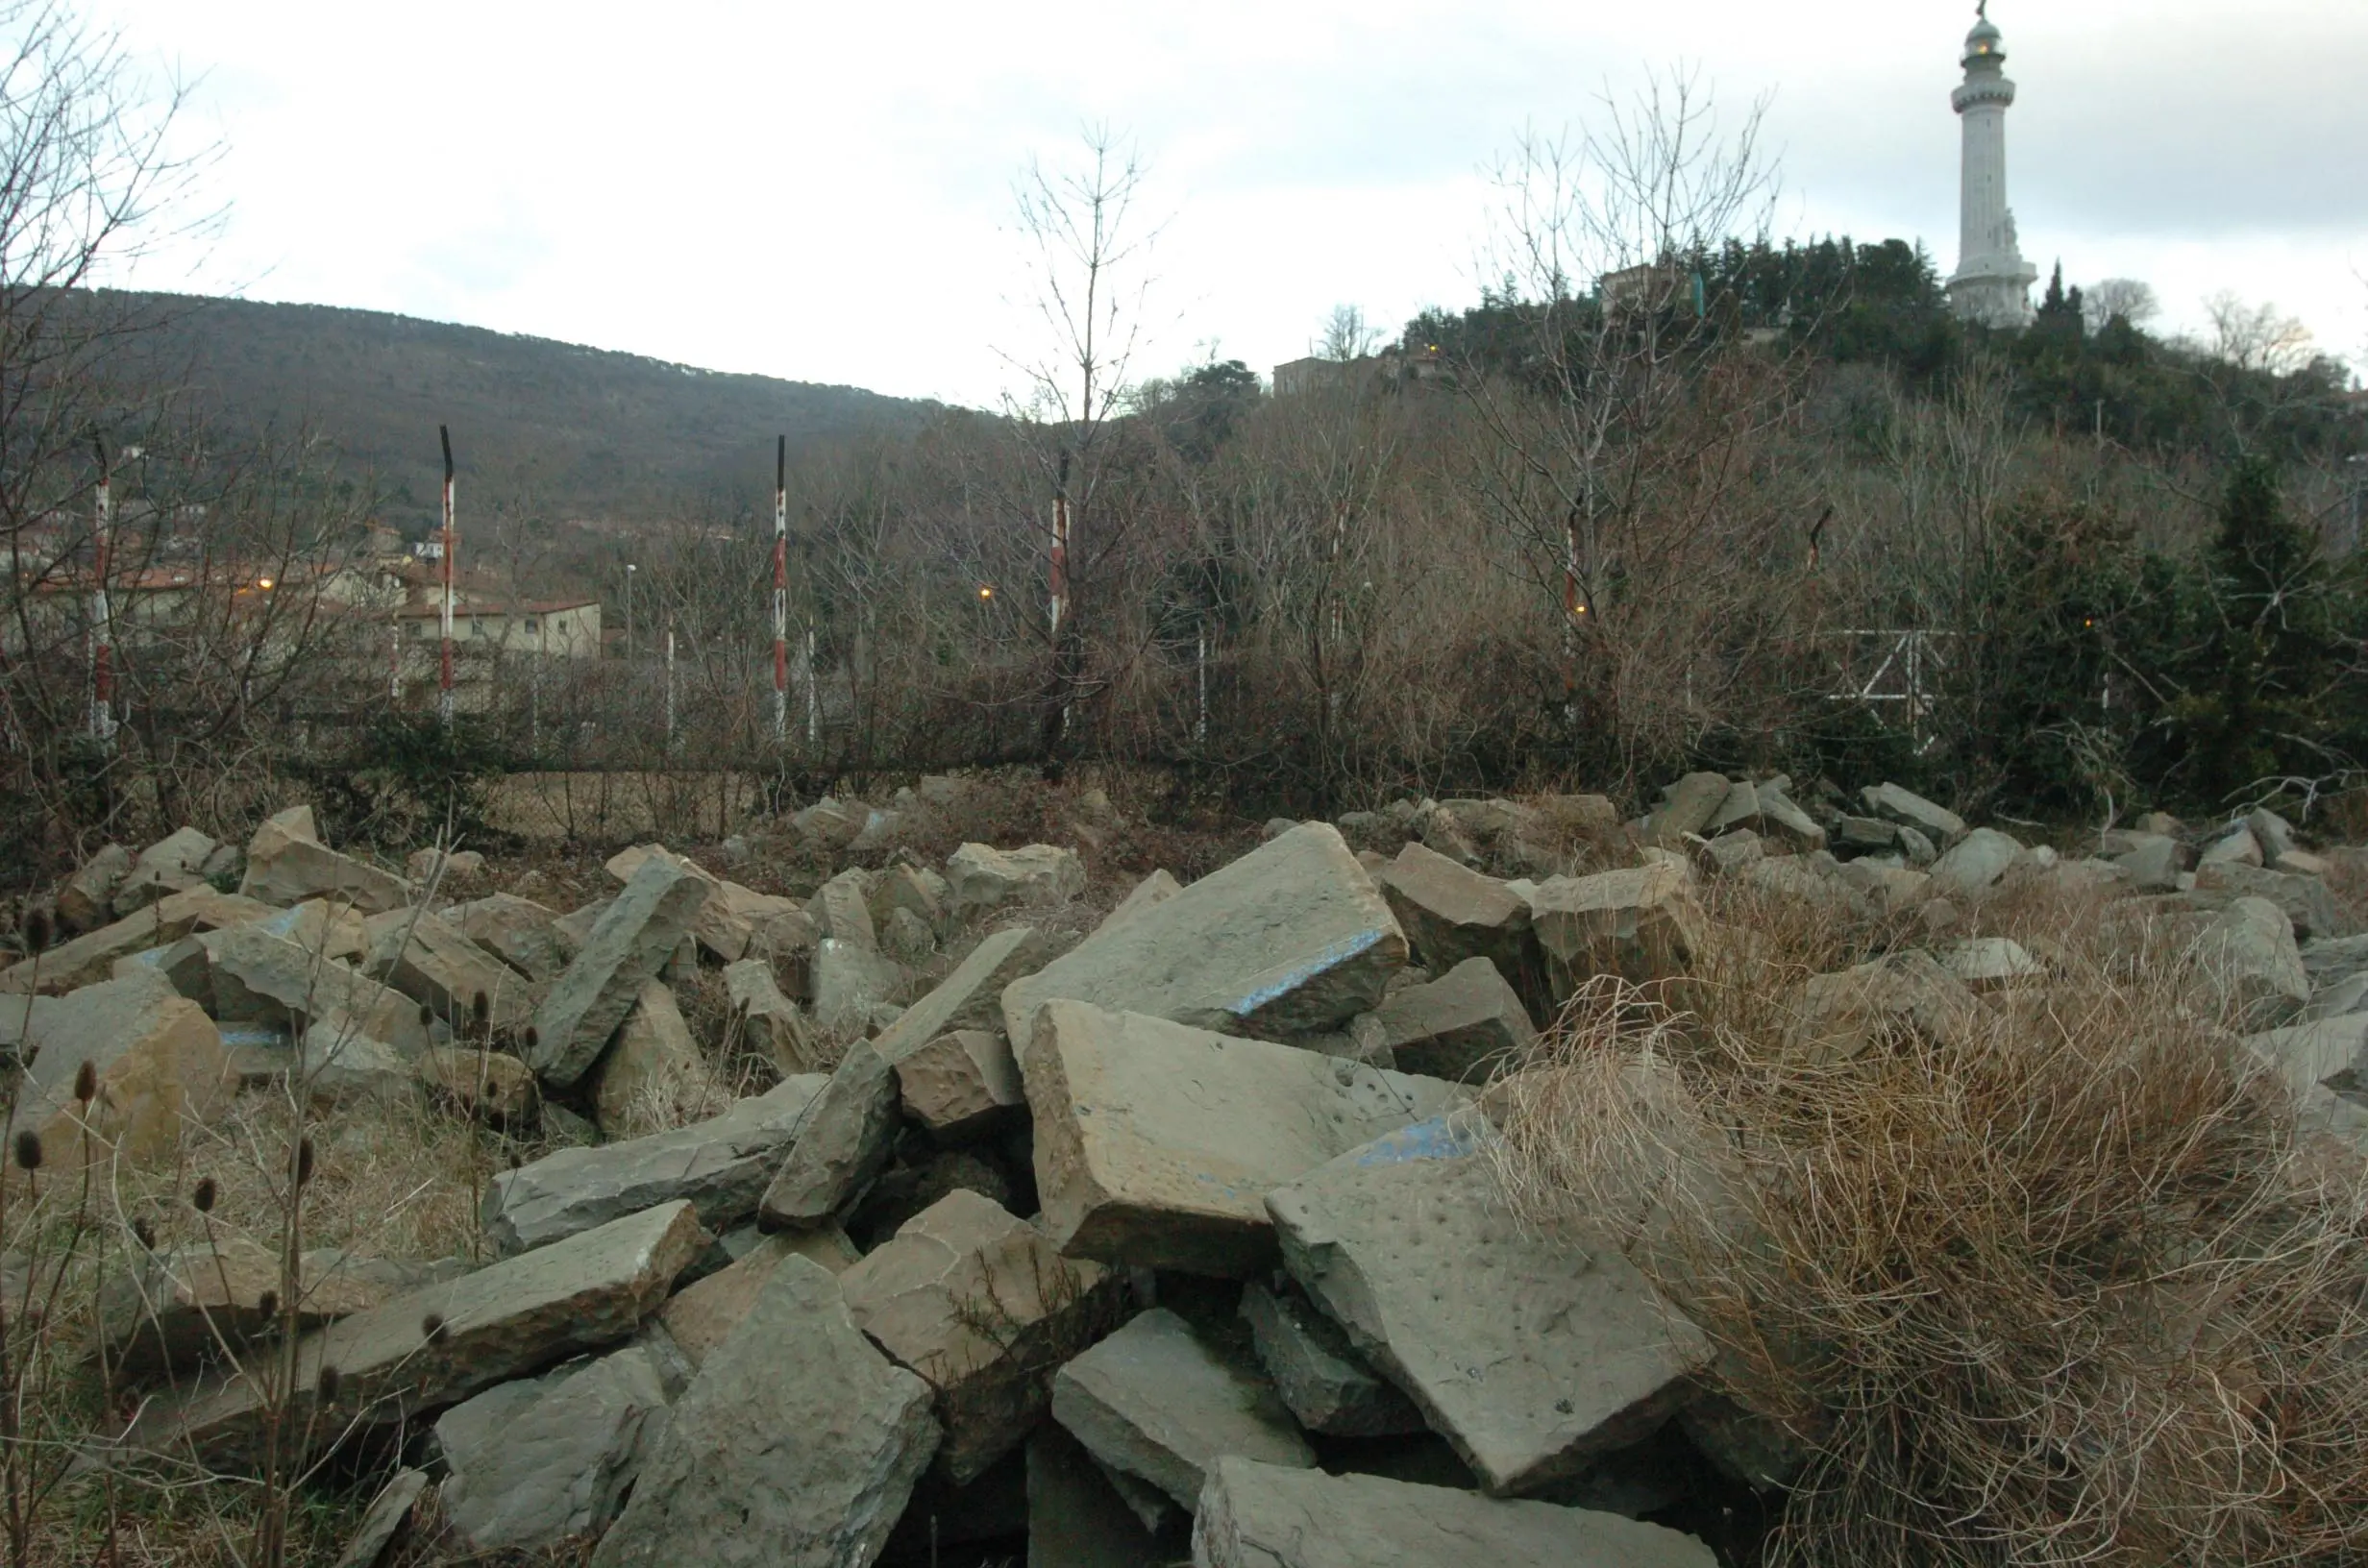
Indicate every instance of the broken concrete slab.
{"type": "Point", "coordinates": [962, 1085]}
{"type": "Point", "coordinates": [535, 1462]}
{"type": "Point", "coordinates": [652, 1076]}
{"type": "Point", "coordinates": [1291, 939]}
{"type": "Point", "coordinates": [979, 877]}
{"type": "Point", "coordinates": [1319, 1374]}
{"type": "Point", "coordinates": [1157, 1401]}
{"type": "Point", "coordinates": [1642, 923]}
{"type": "Point", "coordinates": [625, 947]}
{"type": "Point", "coordinates": [721, 1165]}
{"type": "Point", "coordinates": [802, 1461]}
{"type": "Point", "coordinates": [1155, 889]}
{"type": "Point", "coordinates": [772, 1021]}
{"type": "Point", "coordinates": [1909, 809]}
{"type": "Point", "coordinates": [518, 931]}
{"type": "Point", "coordinates": [436, 1345]}
{"type": "Point", "coordinates": [972, 996]}
{"type": "Point", "coordinates": [701, 1315]}
{"type": "Point", "coordinates": [1528, 1353]}
{"type": "Point", "coordinates": [85, 903]}
{"type": "Point", "coordinates": [1459, 1027]}
{"type": "Point", "coordinates": [974, 1299]}
{"type": "Point", "coordinates": [846, 1138]}
{"type": "Point", "coordinates": [159, 1062]}
{"type": "Point", "coordinates": [1253, 1516]}
{"type": "Point", "coordinates": [1156, 1144]}
{"type": "Point", "coordinates": [1452, 914]}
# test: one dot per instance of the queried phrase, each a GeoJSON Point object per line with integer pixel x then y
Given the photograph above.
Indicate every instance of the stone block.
{"type": "Point", "coordinates": [797, 1460]}
{"type": "Point", "coordinates": [846, 1138]}
{"type": "Point", "coordinates": [429, 960]}
{"type": "Point", "coordinates": [851, 981]}
{"type": "Point", "coordinates": [1460, 1027]}
{"type": "Point", "coordinates": [843, 909]}
{"type": "Point", "coordinates": [86, 901]}
{"type": "Point", "coordinates": [2304, 900]}
{"type": "Point", "coordinates": [1156, 1144]}
{"type": "Point", "coordinates": [962, 1085]}
{"type": "Point", "coordinates": [388, 1520]}
{"type": "Point", "coordinates": [1642, 923]}
{"type": "Point", "coordinates": [539, 1461]}
{"type": "Point", "coordinates": [921, 893]}
{"type": "Point", "coordinates": [444, 870]}
{"type": "Point", "coordinates": [1155, 1402]}
{"type": "Point", "coordinates": [975, 1300]}
{"type": "Point", "coordinates": [1529, 1354]}
{"type": "Point", "coordinates": [1973, 866]}
{"type": "Point", "coordinates": [971, 997]}
{"type": "Point", "coordinates": [1840, 1015]}
{"type": "Point", "coordinates": [2235, 848]}
{"type": "Point", "coordinates": [979, 878]}
{"type": "Point", "coordinates": [1686, 807]}
{"type": "Point", "coordinates": [625, 947]}
{"type": "Point", "coordinates": [286, 868]}
{"type": "Point", "coordinates": [701, 1315]}
{"type": "Point", "coordinates": [175, 1309]}
{"type": "Point", "coordinates": [1450, 914]}
{"type": "Point", "coordinates": [652, 1076]}
{"type": "Point", "coordinates": [1319, 1374]}
{"type": "Point", "coordinates": [720, 1166]}
{"type": "Point", "coordinates": [772, 1021]}
{"type": "Point", "coordinates": [1075, 1518]}
{"type": "Point", "coordinates": [1254, 1515]}
{"type": "Point", "coordinates": [2249, 957]}
{"type": "Point", "coordinates": [1155, 889]}
{"type": "Point", "coordinates": [435, 1346]}
{"type": "Point", "coordinates": [492, 1087]}
{"type": "Point", "coordinates": [1291, 939]}
{"type": "Point", "coordinates": [265, 979]}
{"type": "Point", "coordinates": [92, 957]}
{"type": "Point", "coordinates": [518, 931]}
{"type": "Point", "coordinates": [1991, 963]}
{"type": "Point", "coordinates": [1909, 809]}
{"type": "Point", "coordinates": [320, 927]}
{"type": "Point", "coordinates": [159, 1064]}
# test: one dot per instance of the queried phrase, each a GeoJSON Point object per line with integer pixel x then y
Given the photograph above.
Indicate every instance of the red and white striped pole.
{"type": "Point", "coordinates": [1060, 551]}
{"type": "Point", "coordinates": [444, 689]}
{"type": "Point", "coordinates": [101, 613]}
{"type": "Point", "coordinates": [780, 591]}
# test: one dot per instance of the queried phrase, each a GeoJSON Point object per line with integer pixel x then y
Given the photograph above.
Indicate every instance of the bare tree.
{"type": "Point", "coordinates": [2254, 337]}
{"type": "Point", "coordinates": [2128, 298]}
{"type": "Point", "coordinates": [1347, 335]}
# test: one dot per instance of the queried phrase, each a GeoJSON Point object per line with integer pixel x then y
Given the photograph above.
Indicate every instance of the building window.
{"type": "Point", "coordinates": [533, 626]}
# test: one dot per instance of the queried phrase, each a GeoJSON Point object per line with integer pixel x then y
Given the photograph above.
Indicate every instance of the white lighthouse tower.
{"type": "Point", "coordinates": [1992, 282]}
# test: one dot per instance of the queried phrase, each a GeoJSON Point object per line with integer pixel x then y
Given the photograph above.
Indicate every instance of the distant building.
{"type": "Point", "coordinates": [1298, 378]}
{"type": "Point", "coordinates": [559, 628]}
{"type": "Point", "coordinates": [1652, 287]}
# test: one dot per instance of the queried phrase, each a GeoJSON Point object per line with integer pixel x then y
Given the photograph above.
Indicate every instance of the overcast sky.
{"type": "Point", "coordinates": [825, 193]}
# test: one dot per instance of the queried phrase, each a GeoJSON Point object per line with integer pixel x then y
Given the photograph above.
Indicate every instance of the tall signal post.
{"type": "Point", "coordinates": [780, 591]}
{"type": "Point", "coordinates": [444, 675]}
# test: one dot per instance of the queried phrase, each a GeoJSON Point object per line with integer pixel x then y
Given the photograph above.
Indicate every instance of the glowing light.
{"type": "Point", "coordinates": [985, 592]}
{"type": "Point", "coordinates": [263, 583]}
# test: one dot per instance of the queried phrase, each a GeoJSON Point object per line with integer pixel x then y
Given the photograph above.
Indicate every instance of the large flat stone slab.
{"type": "Point", "coordinates": [1291, 939]}
{"type": "Point", "coordinates": [1157, 1143]}
{"type": "Point", "coordinates": [429, 960]}
{"type": "Point", "coordinates": [628, 945]}
{"type": "Point", "coordinates": [1319, 1374]}
{"type": "Point", "coordinates": [961, 1085]}
{"type": "Point", "coordinates": [720, 1166]}
{"type": "Point", "coordinates": [979, 877]}
{"type": "Point", "coordinates": [1529, 1354]}
{"type": "Point", "coordinates": [843, 1140]}
{"type": "Point", "coordinates": [260, 978]}
{"type": "Point", "coordinates": [1154, 1401]}
{"type": "Point", "coordinates": [1254, 1515]}
{"type": "Point", "coordinates": [732, 922]}
{"type": "Point", "coordinates": [287, 865]}
{"type": "Point", "coordinates": [771, 1020]}
{"type": "Point", "coordinates": [518, 931]}
{"type": "Point", "coordinates": [781, 1458]}
{"type": "Point", "coordinates": [701, 1315]}
{"type": "Point", "coordinates": [974, 1299]}
{"type": "Point", "coordinates": [652, 1076]}
{"type": "Point", "coordinates": [436, 1345]}
{"type": "Point", "coordinates": [2304, 899]}
{"type": "Point", "coordinates": [92, 957]}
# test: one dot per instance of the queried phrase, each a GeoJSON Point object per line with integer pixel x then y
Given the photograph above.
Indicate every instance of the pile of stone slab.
{"type": "Point", "coordinates": [1182, 1238]}
{"type": "Point", "coordinates": [1158, 1242]}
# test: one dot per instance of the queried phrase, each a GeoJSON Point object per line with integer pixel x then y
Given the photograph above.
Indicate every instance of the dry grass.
{"type": "Point", "coordinates": [2065, 1286]}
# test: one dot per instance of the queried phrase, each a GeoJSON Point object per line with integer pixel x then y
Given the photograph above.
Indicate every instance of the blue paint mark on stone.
{"type": "Point", "coordinates": [1299, 974]}
{"type": "Point", "coordinates": [1439, 1138]}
